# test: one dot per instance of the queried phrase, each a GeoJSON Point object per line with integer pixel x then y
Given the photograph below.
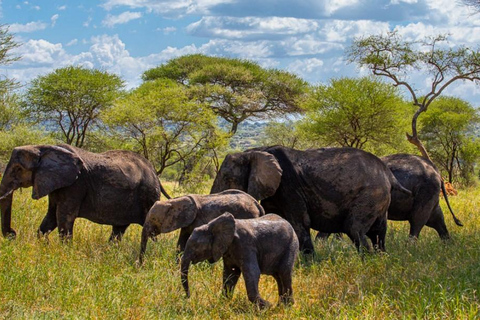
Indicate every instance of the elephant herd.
{"type": "Point", "coordinates": [331, 190]}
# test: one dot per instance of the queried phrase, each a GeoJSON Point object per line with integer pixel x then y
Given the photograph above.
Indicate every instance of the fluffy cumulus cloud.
{"type": "Point", "coordinates": [125, 17]}
{"type": "Point", "coordinates": [252, 28]}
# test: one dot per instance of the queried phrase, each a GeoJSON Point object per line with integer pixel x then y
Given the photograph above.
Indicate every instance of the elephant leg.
{"type": "Point", "coordinates": [117, 233]}
{"type": "Point", "coordinates": [304, 239]}
{"type": "Point", "coordinates": [231, 274]}
{"type": "Point", "coordinates": [284, 283]}
{"type": "Point", "coordinates": [251, 275]}
{"type": "Point", "coordinates": [377, 234]}
{"type": "Point", "coordinates": [437, 222]}
{"type": "Point", "coordinates": [421, 211]}
{"type": "Point", "coordinates": [49, 223]}
{"type": "Point", "coordinates": [66, 215]}
{"type": "Point", "coordinates": [181, 243]}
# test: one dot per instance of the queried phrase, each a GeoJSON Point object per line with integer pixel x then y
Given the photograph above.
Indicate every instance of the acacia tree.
{"type": "Point", "coordinates": [234, 89]}
{"type": "Point", "coordinates": [363, 113]}
{"type": "Point", "coordinates": [392, 57]}
{"type": "Point", "coordinates": [71, 99]}
{"type": "Point", "coordinates": [160, 121]}
{"type": "Point", "coordinates": [447, 130]}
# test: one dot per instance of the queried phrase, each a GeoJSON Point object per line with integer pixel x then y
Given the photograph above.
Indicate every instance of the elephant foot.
{"type": "Point", "coordinates": [10, 234]}
{"type": "Point", "coordinates": [262, 304]}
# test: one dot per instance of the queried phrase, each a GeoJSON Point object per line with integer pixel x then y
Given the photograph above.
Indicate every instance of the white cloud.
{"type": "Point", "coordinates": [29, 27]}
{"type": "Point", "coordinates": [168, 7]}
{"type": "Point", "coordinates": [110, 21]}
{"type": "Point", "coordinates": [250, 27]}
{"type": "Point", "coordinates": [54, 19]}
{"type": "Point", "coordinates": [61, 8]}
{"type": "Point", "coordinates": [167, 30]}
{"type": "Point", "coordinates": [41, 52]}
{"type": "Point", "coordinates": [72, 43]}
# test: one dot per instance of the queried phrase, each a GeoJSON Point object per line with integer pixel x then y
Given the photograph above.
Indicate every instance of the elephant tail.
{"type": "Point", "coordinates": [445, 196]}
{"type": "Point", "coordinates": [162, 189]}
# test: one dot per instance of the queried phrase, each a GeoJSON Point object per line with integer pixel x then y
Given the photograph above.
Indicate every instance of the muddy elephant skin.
{"type": "Point", "coordinates": [190, 211]}
{"type": "Point", "coordinates": [265, 245]}
{"type": "Point", "coordinates": [115, 188]}
{"type": "Point", "coordinates": [329, 189]}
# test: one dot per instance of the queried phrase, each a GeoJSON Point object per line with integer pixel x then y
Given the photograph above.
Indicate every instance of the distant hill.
{"type": "Point", "coordinates": [249, 135]}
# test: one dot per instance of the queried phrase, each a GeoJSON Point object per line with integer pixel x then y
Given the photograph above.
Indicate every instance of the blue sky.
{"type": "Point", "coordinates": [305, 37]}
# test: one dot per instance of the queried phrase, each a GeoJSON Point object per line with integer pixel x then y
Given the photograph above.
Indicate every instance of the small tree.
{"type": "Point", "coordinates": [392, 57]}
{"type": "Point", "coordinates": [7, 44]}
{"type": "Point", "coordinates": [160, 121]}
{"type": "Point", "coordinates": [363, 113]}
{"type": "Point", "coordinates": [448, 132]}
{"type": "Point", "coordinates": [70, 100]}
{"type": "Point", "coordinates": [234, 89]}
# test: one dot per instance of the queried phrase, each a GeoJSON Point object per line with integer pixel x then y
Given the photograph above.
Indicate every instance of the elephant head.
{"type": "Point", "coordinates": [256, 172]}
{"type": "Point", "coordinates": [45, 168]}
{"type": "Point", "coordinates": [167, 216]}
{"type": "Point", "coordinates": [207, 242]}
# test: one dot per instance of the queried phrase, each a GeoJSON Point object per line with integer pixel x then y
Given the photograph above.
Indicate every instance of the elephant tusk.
{"type": "Point", "coordinates": [6, 194]}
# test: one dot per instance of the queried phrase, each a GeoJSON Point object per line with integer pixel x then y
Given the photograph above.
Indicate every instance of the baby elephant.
{"type": "Point", "coordinates": [191, 211]}
{"type": "Point", "coordinates": [266, 245]}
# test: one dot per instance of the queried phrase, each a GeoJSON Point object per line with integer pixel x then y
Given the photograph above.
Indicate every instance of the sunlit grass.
{"type": "Point", "coordinates": [91, 278]}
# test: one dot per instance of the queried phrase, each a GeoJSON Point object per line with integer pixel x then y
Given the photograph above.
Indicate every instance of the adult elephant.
{"type": "Point", "coordinates": [330, 189]}
{"type": "Point", "coordinates": [115, 187]}
{"type": "Point", "coordinates": [422, 178]}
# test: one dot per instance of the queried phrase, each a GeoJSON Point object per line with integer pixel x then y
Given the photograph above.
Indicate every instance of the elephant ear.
{"type": "Point", "coordinates": [177, 213]}
{"type": "Point", "coordinates": [223, 230]}
{"type": "Point", "coordinates": [57, 168]}
{"type": "Point", "coordinates": [265, 175]}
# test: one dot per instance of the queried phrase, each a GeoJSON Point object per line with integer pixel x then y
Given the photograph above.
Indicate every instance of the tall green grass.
{"type": "Point", "coordinates": [90, 278]}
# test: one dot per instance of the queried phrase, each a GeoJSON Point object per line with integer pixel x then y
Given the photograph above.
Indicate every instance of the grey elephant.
{"type": "Point", "coordinates": [423, 179]}
{"type": "Point", "coordinates": [329, 189]}
{"type": "Point", "coordinates": [265, 245]}
{"type": "Point", "coordinates": [115, 187]}
{"type": "Point", "coordinates": [188, 212]}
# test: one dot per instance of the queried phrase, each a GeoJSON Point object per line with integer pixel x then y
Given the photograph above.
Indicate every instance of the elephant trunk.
{"type": "Point", "coordinates": [143, 244]}
{"type": "Point", "coordinates": [6, 198]}
{"type": "Point", "coordinates": [185, 265]}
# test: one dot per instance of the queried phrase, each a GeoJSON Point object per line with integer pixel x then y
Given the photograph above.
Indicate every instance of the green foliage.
{"type": "Point", "coordinates": [398, 59]}
{"type": "Point", "coordinates": [94, 279]}
{"type": "Point", "coordinates": [447, 129]}
{"type": "Point", "coordinates": [7, 44]}
{"type": "Point", "coordinates": [160, 121]}
{"type": "Point", "coordinates": [288, 134]}
{"type": "Point", "coordinates": [234, 89]}
{"type": "Point", "coordinates": [363, 113]}
{"type": "Point", "coordinates": [71, 99]}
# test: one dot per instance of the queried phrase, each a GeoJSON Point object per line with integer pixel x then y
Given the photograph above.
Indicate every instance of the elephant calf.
{"type": "Point", "coordinates": [191, 211]}
{"type": "Point", "coordinates": [266, 245]}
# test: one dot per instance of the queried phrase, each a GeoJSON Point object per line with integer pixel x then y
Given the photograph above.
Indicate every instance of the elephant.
{"type": "Point", "coordinates": [328, 189]}
{"type": "Point", "coordinates": [190, 211]}
{"type": "Point", "coordinates": [265, 245]}
{"type": "Point", "coordinates": [115, 188]}
{"type": "Point", "coordinates": [422, 178]}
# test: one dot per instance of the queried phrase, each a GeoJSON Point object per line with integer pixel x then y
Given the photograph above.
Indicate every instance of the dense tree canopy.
{"type": "Point", "coordinates": [393, 57]}
{"type": "Point", "coordinates": [363, 113]}
{"type": "Point", "coordinates": [160, 121]}
{"type": "Point", "coordinates": [448, 131]}
{"type": "Point", "coordinates": [234, 89]}
{"type": "Point", "coordinates": [70, 100]}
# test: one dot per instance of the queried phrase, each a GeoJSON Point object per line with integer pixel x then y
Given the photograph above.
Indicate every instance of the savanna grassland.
{"type": "Point", "coordinates": [93, 279]}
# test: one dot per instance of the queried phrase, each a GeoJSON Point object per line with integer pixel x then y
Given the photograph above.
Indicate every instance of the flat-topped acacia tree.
{"type": "Point", "coordinates": [234, 89]}
{"type": "Point", "coordinates": [389, 55]}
